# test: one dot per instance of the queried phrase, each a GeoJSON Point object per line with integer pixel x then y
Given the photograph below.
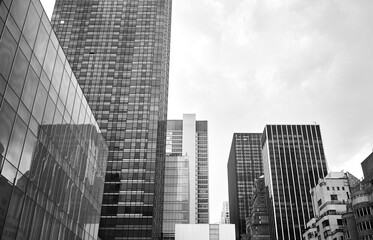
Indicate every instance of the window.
{"type": "Point", "coordinates": [333, 197]}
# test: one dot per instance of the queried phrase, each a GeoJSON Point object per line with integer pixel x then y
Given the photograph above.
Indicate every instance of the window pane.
{"type": "Point", "coordinates": [9, 171]}
{"type": "Point", "coordinates": [41, 44]}
{"type": "Point", "coordinates": [7, 115]}
{"type": "Point", "coordinates": [29, 90]}
{"type": "Point", "coordinates": [41, 99]}
{"type": "Point", "coordinates": [6, 191]}
{"type": "Point", "coordinates": [14, 214]}
{"type": "Point", "coordinates": [16, 142]}
{"type": "Point", "coordinates": [17, 77]}
{"type": "Point", "coordinates": [49, 60]}
{"type": "Point", "coordinates": [28, 152]}
{"type": "Point", "coordinates": [31, 25]}
{"type": "Point", "coordinates": [19, 10]}
{"type": "Point", "coordinates": [8, 48]}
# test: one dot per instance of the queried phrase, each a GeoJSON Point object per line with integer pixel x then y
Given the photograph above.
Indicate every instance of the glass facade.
{"type": "Point", "coordinates": [244, 167]}
{"type": "Point", "coordinates": [119, 51]}
{"type": "Point", "coordinates": [293, 161]}
{"type": "Point", "coordinates": [52, 154]}
{"type": "Point", "coordinates": [176, 195]}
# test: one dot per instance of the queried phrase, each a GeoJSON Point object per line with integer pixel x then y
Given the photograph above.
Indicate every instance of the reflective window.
{"type": "Point", "coordinates": [49, 60]}
{"type": "Point", "coordinates": [30, 87]}
{"type": "Point", "coordinates": [28, 152]}
{"type": "Point", "coordinates": [19, 10]}
{"type": "Point", "coordinates": [8, 48]}
{"type": "Point", "coordinates": [17, 77]}
{"type": "Point", "coordinates": [40, 100]}
{"type": "Point", "coordinates": [16, 142]}
{"type": "Point", "coordinates": [41, 43]}
{"type": "Point", "coordinates": [7, 115]}
{"type": "Point", "coordinates": [31, 25]}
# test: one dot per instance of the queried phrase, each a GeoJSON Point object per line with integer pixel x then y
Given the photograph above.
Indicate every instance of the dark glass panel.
{"type": "Point", "coordinates": [16, 142]}
{"type": "Point", "coordinates": [31, 25]}
{"type": "Point", "coordinates": [41, 44]}
{"type": "Point", "coordinates": [6, 191]}
{"type": "Point", "coordinates": [26, 218]}
{"type": "Point", "coordinates": [8, 48]}
{"type": "Point", "coordinates": [29, 89]}
{"type": "Point", "coordinates": [7, 115]}
{"type": "Point", "coordinates": [40, 100]}
{"type": "Point", "coordinates": [19, 10]}
{"type": "Point", "coordinates": [36, 223]}
{"type": "Point", "coordinates": [17, 77]}
{"type": "Point", "coordinates": [13, 215]}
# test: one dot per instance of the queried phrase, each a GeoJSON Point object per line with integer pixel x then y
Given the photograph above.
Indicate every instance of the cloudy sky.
{"type": "Point", "coordinates": [241, 64]}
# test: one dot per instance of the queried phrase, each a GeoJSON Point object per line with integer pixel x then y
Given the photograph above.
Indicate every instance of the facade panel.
{"type": "Point", "coordinates": [119, 51]}
{"type": "Point", "coordinates": [52, 154]}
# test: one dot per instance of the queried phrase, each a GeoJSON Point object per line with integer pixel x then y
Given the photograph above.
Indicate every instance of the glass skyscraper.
{"type": "Point", "coordinates": [244, 167]}
{"type": "Point", "coordinates": [293, 161]}
{"type": "Point", "coordinates": [52, 155]}
{"type": "Point", "coordinates": [187, 139]}
{"type": "Point", "coordinates": [119, 51]}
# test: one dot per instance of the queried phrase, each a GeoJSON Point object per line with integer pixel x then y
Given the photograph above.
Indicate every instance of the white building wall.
{"type": "Point", "coordinates": [202, 232]}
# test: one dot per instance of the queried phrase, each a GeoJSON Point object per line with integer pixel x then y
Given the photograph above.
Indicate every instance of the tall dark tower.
{"type": "Point", "coordinates": [119, 52]}
{"type": "Point", "coordinates": [244, 167]}
{"type": "Point", "coordinates": [293, 161]}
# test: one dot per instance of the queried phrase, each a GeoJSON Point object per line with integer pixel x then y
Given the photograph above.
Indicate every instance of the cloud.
{"type": "Point", "coordinates": [243, 64]}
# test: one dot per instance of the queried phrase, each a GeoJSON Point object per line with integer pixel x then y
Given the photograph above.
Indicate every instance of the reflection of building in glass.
{"type": "Point", "coordinates": [188, 137]}
{"type": "Point", "coordinates": [244, 166]}
{"type": "Point", "coordinates": [119, 51]}
{"type": "Point", "coordinates": [225, 213]}
{"type": "Point", "coordinates": [293, 162]}
{"type": "Point", "coordinates": [53, 156]}
{"type": "Point", "coordinates": [329, 202]}
{"type": "Point", "coordinates": [358, 220]}
{"type": "Point", "coordinates": [176, 194]}
{"type": "Point", "coordinates": [257, 224]}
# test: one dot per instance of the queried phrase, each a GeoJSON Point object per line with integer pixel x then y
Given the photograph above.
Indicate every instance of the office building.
{"type": "Point", "coordinates": [358, 220]}
{"type": "Point", "coordinates": [176, 195]}
{"type": "Point", "coordinates": [52, 154]}
{"type": "Point", "coordinates": [257, 224]}
{"type": "Point", "coordinates": [329, 202]}
{"type": "Point", "coordinates": [119, 51]}
{"type": "Point", "coordinates": [205, 232]}
{"type": "Point", "coordinates": [244, 166]}
{"type": "Point", "coordinates": [293, 162]}
{"type": "Point", "coordinates": [225, 213]}
{"type": "Point", "coordinates": [189, 137]}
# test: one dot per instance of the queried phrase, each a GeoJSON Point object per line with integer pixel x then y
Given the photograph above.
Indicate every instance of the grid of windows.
{"type": "Point", "coordinates": [119, 51]}
{"type": "Point", "coordinates": [52, 155]}
{"type": "Point", "coordinates": [293, 160]}
{"type": "Point", "coordinates": [244, 167]}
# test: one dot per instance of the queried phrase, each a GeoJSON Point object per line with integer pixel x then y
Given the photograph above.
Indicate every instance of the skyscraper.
{"type": "Point", "coordinates": [189, 138]}
{"type": "Point", "coordinates": [293, 161]}
{"type": "Point", "coordinates": [52, 155]}
{"type": "Point", "coordinates": [244, 166]}
{"type": "Point", "coordinates": [119, 51]}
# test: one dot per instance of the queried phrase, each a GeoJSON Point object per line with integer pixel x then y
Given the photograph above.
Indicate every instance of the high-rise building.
{"type": "Point", "coordinates": [244, 166]}
{"type": "Point", "coordinates": [225, 213]}
{"type": "Point", "coordinates": [293, 162]}
{"type": "Point", "coordinates": [119, 51]}
{"type": "Point", "coordinates": [189, 137]}
{"type": "Point", "coordinates": [52, 155]}
{"type": "Point", "coordinates": [257, 224]}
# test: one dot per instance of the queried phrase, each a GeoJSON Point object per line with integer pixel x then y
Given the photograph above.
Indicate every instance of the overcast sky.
{"type": "Point", "coordinates": [242, 64]}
